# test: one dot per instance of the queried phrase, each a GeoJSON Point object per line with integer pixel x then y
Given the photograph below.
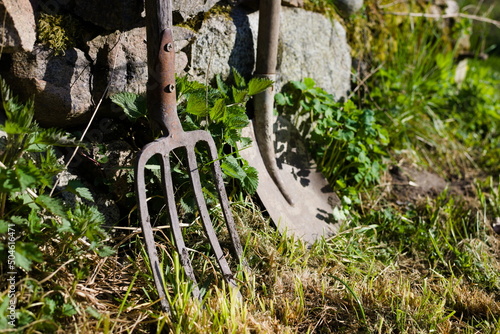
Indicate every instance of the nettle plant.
{"type": "Point", "coordinates": [348, 143]}
{"type": "Point", "coordinates": [45, 235]}
{"type": "Point", "coordinates": [28, 166]}
{"type": "Point", "coordinates": [219, 109]}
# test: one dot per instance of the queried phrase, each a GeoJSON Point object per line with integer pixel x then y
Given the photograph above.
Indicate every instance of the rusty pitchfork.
{"type": "Point", "coordinates": [162, 106]}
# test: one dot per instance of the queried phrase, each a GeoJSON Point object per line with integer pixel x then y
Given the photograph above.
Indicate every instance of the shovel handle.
{"type": "Point", "coordinates": [265, 67]}
{"type": "Point", "coordinates": [161, 98]}
{"type": "Point", "coordinates": [267, 40]}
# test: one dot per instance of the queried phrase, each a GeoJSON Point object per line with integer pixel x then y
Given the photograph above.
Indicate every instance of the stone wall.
{"type": "Point", "coordinates": [110, 55]}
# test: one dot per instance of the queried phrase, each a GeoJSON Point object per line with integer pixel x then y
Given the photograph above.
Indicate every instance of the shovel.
{"type": "Point", "coordinates": [296, 195]}
{"type": "Point", "coordinates": [161, 97]}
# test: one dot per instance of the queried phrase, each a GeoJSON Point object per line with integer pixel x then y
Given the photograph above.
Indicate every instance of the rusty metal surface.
{"type": "Point", "coordinates": [162, 82]}
{"type": "Point", "coordinates": [311, 216]}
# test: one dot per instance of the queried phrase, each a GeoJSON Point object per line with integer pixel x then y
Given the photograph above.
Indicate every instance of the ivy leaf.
{"type": "Point", "coordinates": [133, 105]}
{"type": "Point", "coordinates": [218, 110]}
{"type": "Point", "coordinates": [257, 85]}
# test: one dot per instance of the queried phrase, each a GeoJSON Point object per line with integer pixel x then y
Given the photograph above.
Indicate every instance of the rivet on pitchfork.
{"type": "Point", "coordinates": [168, 47]}
{"type": "Point", "coordinates": [169, 88]}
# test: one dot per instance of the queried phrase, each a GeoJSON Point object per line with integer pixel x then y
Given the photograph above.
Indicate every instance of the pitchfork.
{"type": "Point", "coordinates": [161, 96]}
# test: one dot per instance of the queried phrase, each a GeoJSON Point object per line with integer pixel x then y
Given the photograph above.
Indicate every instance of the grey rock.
{"type": "Point", "coordinates": [185, 9]}
{"type": "Point", "coordinates": [320, 52]}
{"type": "Point", "coordinates": [121, 59]}
{"type": "Point", "coordinates": [221, 43]}
{"type": "Point", "coordinates": [60, 85]}
{"type": "Point", "coordinates": [110, 14]}
{"type": "Point", "coordinates": [348, 7]}
{"type": "Point", "coordinates": [19, 31]}
{"type": "Point", "coordinates": [293, 3]}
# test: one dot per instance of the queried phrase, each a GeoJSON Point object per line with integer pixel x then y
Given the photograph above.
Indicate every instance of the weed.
{"type": "Point", "coordinates": [348, 143]}
{"type": "Point", "coordinates": [38, 232]}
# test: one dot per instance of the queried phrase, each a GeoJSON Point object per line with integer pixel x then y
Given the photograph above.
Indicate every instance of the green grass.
{"type": "Point", "coordinates": [428, 264]}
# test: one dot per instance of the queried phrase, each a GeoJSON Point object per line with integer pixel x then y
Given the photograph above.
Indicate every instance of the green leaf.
{"type": "Point", "coordinates": [251, 179]}
{"type": "Point", "coordinates": [232, 168]}
{"type": "Point", "coordinates": [239, 95]}
{"type": "Point", "coordinates": [77, 187]}
{"type": "Point", "coordinates": [4, 226]}
{"type": "Point", "coordinates": [49, 306]}
{"type": "Point", "coordinates": [69, 310]}
{"type": "Point", "coordinates": [184, 86]}
{"type": "Point", "coordinates": [196, 105]}
{"type": "Point", "coordinates": [93, 312]}
{"type": "Point", "coordinates": [133, 105]}
{"type": "Point", "coordinates": [245, 141]}
{"type": "Point", "coordinates": [26, 254]}
{"type": "Point", "coordinates": [238, 79]}
{"type": "Point", "coordinates": [29, 175]}
{"type": "Point", "coordinates": [257, 85]}
{"type": "Point", "coordinates": [235, 117]}
{"type": "Point", "coordinates": [309, 83]}
{"type": "Point", "coordinates": [53, 205]}
{"type": "Point", "coordinates": [339, 214]}
{"type": "Point", "coordinates": [280, 99]}
{"type": "Point", "coordinates": [9, 181]}
{"type": "Point", "coordinates": [104, 251]}
{"type": "Point", "coordinates": [221, 86]}
{"type": "Point", "coordinates": [218, 110]}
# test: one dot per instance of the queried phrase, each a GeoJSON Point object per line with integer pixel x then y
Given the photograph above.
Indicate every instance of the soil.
{"type": "Point", "coordinates": [410, 185]}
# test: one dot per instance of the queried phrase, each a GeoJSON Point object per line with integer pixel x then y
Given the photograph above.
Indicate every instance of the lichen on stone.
{"type": "Point", "coordinates": [58, 32]}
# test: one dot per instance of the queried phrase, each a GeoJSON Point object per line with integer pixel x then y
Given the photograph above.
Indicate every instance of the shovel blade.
{"type": "Point", "coordinates": [311, 216]}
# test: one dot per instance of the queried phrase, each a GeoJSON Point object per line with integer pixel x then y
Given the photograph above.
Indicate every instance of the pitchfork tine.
{"type": "Point", "coordinates": [219, 183]}
{"type": "Point", "coordinates": [168, 189]}
{"type": "Point", "coordinates": [146, 227]}
{"type": "Point", "coordinates": [205, 217]}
